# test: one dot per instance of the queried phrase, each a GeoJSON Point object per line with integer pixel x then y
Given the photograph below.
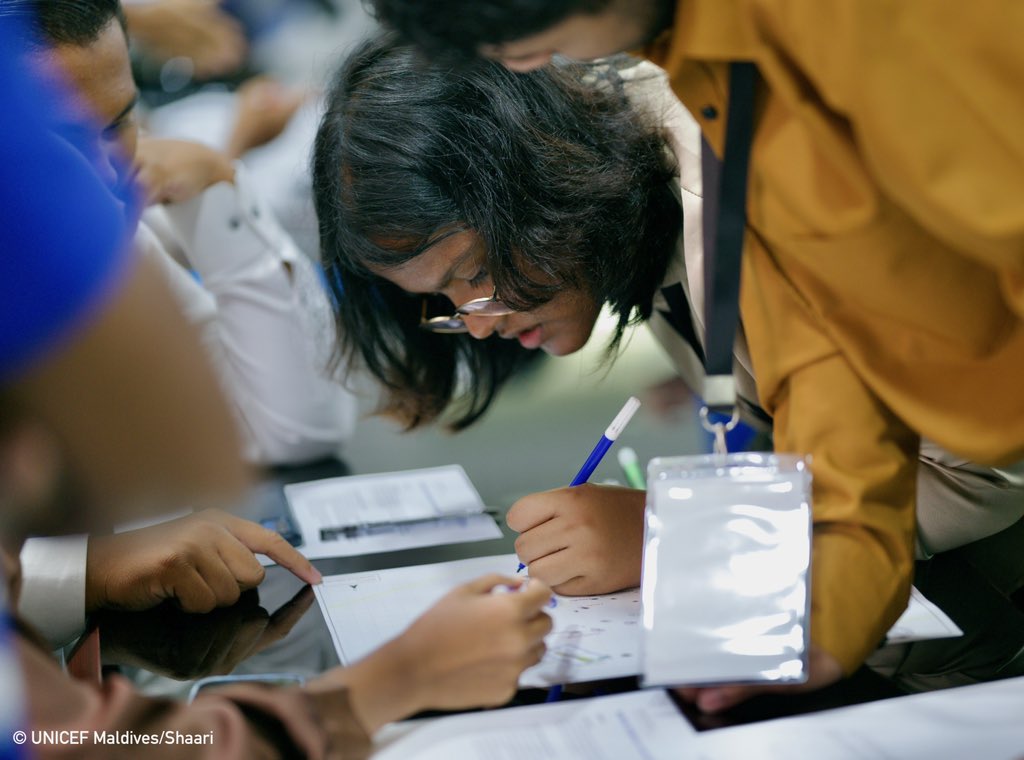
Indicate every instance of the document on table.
{"type": "Point", "coordinates": [594, 637]}
{"type": "Point", "coordinates": [984, 720]}
{"type": "Point", "coordinates": [389, 511]}
{"type": "Point", "coordinates": [921, 621]}
{"type": "Point", "coordinates": [641, 724]}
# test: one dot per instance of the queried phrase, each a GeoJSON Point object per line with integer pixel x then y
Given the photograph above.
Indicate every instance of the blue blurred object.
{"type": "Point", "coordinates": [736, 440]}
{"type": "Point", "coordinates": [12, 712]}
{"type": "Point", "coordinates": [284, 527]}
{"type": "Point", "coordinates": [64, 234]}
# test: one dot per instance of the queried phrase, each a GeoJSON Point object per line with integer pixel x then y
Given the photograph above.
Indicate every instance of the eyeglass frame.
{"type": "Point", "coordinates": [436, 324]}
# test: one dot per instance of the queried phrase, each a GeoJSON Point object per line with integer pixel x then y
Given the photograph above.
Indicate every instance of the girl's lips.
{"type": "Point", "coordinates": [531, 338]}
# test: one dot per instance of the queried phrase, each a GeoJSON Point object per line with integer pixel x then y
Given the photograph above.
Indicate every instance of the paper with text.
{"type": "Point", "coordinates": [594, 638]}
{"type": "Point", "coordinates": [641, 724]}
{"type": "Point", "coordinates": [445, 493]}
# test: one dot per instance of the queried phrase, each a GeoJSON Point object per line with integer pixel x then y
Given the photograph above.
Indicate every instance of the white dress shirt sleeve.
{"type": "Point", "coordinates": [266, 321]}
{"type": "Point", "coordinates": [53, 586]}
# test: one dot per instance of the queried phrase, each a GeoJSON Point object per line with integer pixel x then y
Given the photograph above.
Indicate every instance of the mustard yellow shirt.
{"type": "Point", "coordinates": [883, 278]}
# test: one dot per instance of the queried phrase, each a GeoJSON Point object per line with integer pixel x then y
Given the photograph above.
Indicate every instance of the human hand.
{"type": "Point", "coordinates": [468, 650]}
{"type": "Point", "coordinates": [195, 29]}
{"type": "Point", "coordinates": [263, 109]}
{"type": "Point", "coordinates": [585, 539]}
{"type": "Point", "coordinates": [173, 171]}
{"type": "Point", "coordinates": [824, 670]}
{"type": "Point", "coordinates": [201, 561]}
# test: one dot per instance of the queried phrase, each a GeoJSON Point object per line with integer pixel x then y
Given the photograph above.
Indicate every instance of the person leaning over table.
{"type": "Point", "coordinates": [83, 442]}
{"type": "Point", "coordinates": [264, 320]}
{"type": "Point", "coordinates": [833, 374]}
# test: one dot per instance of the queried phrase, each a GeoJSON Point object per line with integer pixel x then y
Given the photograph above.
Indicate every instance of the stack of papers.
{"type": "Point", "coordinates": [366, 514]}
{"type": "Point", "coordinates": [642, 724]}
{"type": "Point", "coordinates": [981, 721]}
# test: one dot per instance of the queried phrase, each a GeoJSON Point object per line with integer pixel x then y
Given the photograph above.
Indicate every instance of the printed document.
{"type": "Point", "coordinates": [388, 512]}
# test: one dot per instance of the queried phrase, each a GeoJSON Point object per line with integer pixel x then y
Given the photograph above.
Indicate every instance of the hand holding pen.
{"type": "Point", "coordinates": [606, 441]}
{"type": "Point", "coordinates": [540, 513]}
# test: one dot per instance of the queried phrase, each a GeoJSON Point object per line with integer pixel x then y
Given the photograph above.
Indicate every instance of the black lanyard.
{"type": "Point", "coordinates": [725, 222]}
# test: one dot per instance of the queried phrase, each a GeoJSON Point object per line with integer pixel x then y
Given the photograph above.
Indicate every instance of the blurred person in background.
{"type": "Point", "coordinates": [264, 319]}
{"type": "Point", "coordinates": [197, 31]}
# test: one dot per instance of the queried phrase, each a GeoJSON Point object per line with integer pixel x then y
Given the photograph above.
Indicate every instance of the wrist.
{"type": "Point", "coordinates": [383, 687]}
{"type": "Point", "coordinates": [223, 170]}
{"type": "Point", "coordinates": [95, 584]}
{"type": "Point", "coordinates": [238, 145]}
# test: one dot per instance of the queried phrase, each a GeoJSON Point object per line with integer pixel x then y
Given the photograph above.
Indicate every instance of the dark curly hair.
{"type": "Point", "coordinates": [69, 22]}
{"type": "Point", "coordinates": [455, 30]}
{"type": "Point", "coordinates": [458, 27]}
{"type": "Point", "coordinates": [557, 175]}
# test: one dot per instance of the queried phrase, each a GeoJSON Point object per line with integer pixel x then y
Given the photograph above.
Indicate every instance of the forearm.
{"type": "Point", "coordinates": [381, 687]}
{"type": "Point", "coordinates": [863, 463]}
{"type": "Point", "coordinates": [859, 589]}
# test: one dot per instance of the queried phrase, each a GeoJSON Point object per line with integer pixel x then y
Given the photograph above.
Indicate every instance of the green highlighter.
{"type": "Point", "coordinates": [630, 464]}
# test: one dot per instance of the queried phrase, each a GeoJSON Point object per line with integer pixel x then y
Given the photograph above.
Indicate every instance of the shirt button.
{"type": "Point", "coordinates": [709, 112]}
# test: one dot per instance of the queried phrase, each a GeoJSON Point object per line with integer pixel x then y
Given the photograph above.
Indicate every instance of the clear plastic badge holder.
{"type": "Point", "coordinates": [726, 570]}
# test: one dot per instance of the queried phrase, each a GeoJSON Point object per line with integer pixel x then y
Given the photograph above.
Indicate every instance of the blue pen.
{"type": "Point", "coordinates": [610, 435]}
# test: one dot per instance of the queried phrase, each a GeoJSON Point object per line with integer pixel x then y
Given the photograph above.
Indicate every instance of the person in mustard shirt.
{"type": "Point", "coordinates": [883, 275]}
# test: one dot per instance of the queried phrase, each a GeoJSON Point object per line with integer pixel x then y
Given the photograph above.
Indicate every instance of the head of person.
{"type": "Point", "coordinates": [85, 42]}
{"type": "Point", "coordinates": [525, 34]}
{"type": "Point", "coordinates": [529, 200]}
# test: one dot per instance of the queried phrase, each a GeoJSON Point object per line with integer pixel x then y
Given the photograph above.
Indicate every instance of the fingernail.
{"type": "Point", "coordinates": [317, 577]}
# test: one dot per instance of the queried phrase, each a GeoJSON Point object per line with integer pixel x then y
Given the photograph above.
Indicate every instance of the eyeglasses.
{"type": "Point", "coordinates": [478, 307]}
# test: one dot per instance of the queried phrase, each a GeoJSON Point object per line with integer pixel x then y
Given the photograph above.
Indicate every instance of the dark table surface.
{"type": "Point", "coordinates": [279, 628]}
